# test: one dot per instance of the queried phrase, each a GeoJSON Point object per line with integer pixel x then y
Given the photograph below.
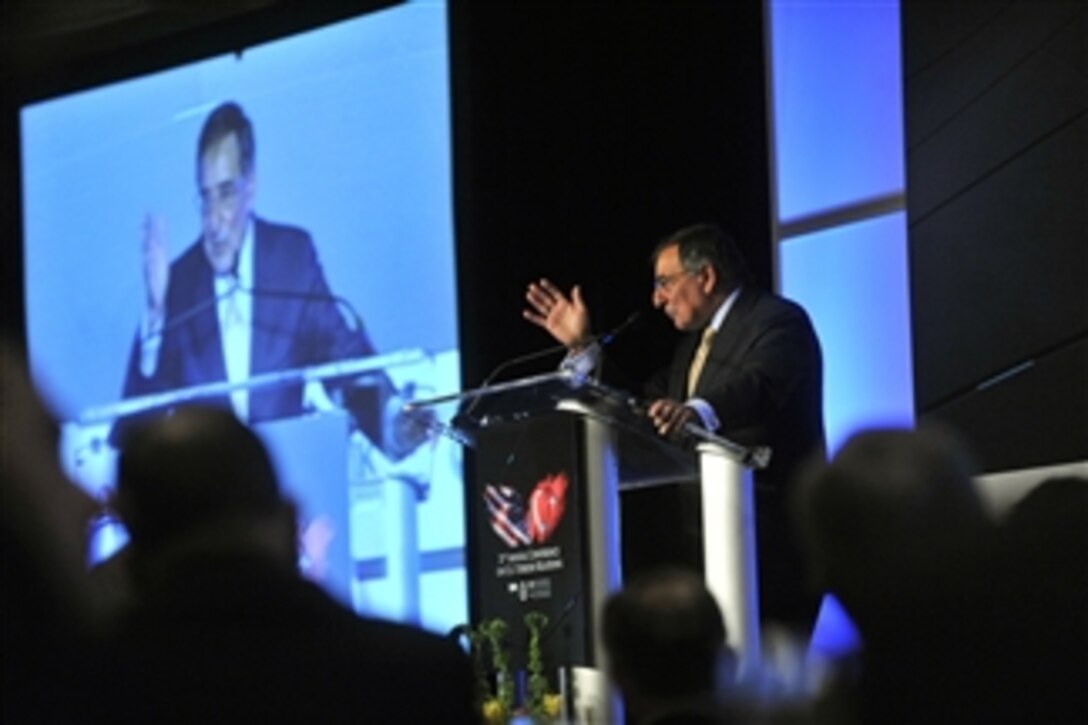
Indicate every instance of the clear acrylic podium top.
{"type": "Point", "coordinates": [645, 458]}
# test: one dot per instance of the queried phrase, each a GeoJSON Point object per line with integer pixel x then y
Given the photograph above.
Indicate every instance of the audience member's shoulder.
{"type": "Point", "coordinates": [409, 641]}
{"type": "Point", "coordinates": [1058, 499]}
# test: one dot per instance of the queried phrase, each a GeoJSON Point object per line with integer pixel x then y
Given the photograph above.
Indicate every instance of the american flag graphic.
{"type": "Point", "coordinates": [507, 511]}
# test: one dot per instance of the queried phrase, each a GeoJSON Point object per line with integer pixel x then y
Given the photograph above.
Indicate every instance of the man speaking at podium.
{"type": "Point", "coordinates": [248, 297]}
{"type": "Point", "coordinates": [749, 369]}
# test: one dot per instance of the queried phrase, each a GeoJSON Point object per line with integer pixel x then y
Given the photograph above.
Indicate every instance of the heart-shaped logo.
{"type": "Point", "coordinates": [547, 503]}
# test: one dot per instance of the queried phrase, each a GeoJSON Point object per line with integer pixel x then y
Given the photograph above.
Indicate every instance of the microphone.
{"type": "Point", "coordinates": [466, 414]}
{"type": "Point", "coordinates": [579, 359]}
{"type": "Point", "coordinates": [582, 362]}
{"type": "Point", "coordinates": [607, 338]}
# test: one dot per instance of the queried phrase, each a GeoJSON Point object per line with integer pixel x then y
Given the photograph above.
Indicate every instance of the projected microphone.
{"type": "Point", "coordinates": [326, 297]}
{"type": "Point", "coordinates": [180, 318]}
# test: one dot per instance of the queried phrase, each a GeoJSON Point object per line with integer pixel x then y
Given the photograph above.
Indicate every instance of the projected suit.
{"type": "Point", "coordinates": [194, 334]}
{"type": "Point", "coordinates": [297, 326]}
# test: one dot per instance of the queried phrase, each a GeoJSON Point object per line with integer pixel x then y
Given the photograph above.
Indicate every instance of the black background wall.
{"type": "Point", "coordinates": [997, 126]}
{"type": "Point", "coordinates": [587, 131]}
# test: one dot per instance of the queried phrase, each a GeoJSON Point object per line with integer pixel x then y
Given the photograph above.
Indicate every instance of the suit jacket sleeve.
{"type": "Point", "coordinates": [751, 387]}
{"type": "Point", "coordinates": [763, 370]}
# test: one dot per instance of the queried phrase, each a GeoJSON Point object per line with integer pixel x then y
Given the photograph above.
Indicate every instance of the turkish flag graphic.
{"type": "Point", "coordinates": [547, 503]}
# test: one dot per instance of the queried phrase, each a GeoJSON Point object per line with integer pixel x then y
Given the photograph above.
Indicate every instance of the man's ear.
{"type": "Point", "coordinates": [710, 279]}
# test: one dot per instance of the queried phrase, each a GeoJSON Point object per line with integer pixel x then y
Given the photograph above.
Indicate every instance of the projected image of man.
{"type": "Point", "coordinates": [248, 297]}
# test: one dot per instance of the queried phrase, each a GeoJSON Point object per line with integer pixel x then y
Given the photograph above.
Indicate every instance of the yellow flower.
{"type": "Point", "coordinates": [552, 703]}
{"type": "Point", "coordinates": [494, 712]}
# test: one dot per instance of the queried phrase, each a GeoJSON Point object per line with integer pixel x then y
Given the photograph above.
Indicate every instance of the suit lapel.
{"type": "Point", "coordinates": [681, 362]}
{"type": "Point", "coordinates": [263, 324]}
{"type": "Point", "coordinates": [207, 341]}
{"type": "Point", "coordinates": [729, 342]}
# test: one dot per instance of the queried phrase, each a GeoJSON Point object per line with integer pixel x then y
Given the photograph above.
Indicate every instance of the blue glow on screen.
{"type": "Point", "coordinates": [838, 125]}
{"type": "Point", "coordinates": [853, 281]}
{"type": "Point", "coordinates": [352, 128]}
{"type": "Point", "coordinates": [352, 134]}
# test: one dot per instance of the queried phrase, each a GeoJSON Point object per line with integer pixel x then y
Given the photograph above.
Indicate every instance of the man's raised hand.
{"type": "Point", "coordinates": [564, 318]}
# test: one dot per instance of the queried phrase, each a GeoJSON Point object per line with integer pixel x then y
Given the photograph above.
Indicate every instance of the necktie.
{"type": "Point", "coordinates": [699, 360]}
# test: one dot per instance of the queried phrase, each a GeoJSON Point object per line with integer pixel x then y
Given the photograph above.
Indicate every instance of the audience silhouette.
{"type": "Point", "coordinates": [49, 611]}
{"type": "Point", "coordinates": [964, 618]}
{"type": "Point", "coordinates": [665, 640]}
{"type": "Point", "coordinates": [1044, 544]}
{"type": "Point", "coordinates": [223, 627]}
{"type": "Point", "coordinates": [947, 600]}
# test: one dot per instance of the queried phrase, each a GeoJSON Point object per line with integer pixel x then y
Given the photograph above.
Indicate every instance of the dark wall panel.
{"type": "Point", "coordinates": [997, 127]}
{"type": "Point", "coordinates": [997, 273]}
{"type": "Point", "coordinates": [981, 44]}
{"type": "Point", "coordinates": [1025, 420]}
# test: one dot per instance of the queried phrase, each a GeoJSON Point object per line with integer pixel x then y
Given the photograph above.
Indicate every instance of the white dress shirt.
{"type": "Point", "coordinates": [234, 307]}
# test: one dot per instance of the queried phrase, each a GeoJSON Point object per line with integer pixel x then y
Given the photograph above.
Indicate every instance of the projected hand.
{"type": "Point", "coordinates": [564, 318]}
{"type": "Point", "coordinates": [314, 541]}
{"type": "Point", "coordinates": [156, 264]}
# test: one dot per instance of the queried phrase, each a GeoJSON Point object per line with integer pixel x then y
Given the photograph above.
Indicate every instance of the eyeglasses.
{"type": "Point", "coordinates": [665, 282]}
{"type": "Point", "coordinates": [223, 195]}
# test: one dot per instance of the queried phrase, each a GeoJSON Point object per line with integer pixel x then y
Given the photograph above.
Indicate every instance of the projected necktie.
{"type": "Point", "coordinates": [699, 360]}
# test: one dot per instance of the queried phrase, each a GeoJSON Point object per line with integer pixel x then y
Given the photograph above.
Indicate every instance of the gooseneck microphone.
{"type": "Point", "coordinates": [326, 297]}
{"type": "Point", "coordinates": [607, 338]}
{"type": "Point", "coordinates": [585, 360]}
{"type": "Point", "coordinates": [170, 321]}
{"type": "Point", "coordinates": [466, 414]}
{"type": "Point", "coordinates": [602, 340]}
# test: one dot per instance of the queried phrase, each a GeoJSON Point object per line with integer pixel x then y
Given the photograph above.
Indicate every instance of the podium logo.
{"type": "Point", "coordinates": [520, 525]}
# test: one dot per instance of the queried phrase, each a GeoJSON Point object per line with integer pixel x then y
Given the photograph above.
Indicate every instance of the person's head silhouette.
{"type": "Point", "coordinates": [198, 474]}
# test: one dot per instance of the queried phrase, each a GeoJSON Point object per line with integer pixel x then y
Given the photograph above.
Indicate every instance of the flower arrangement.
{"type": "Point", "coordinates": [541, 704]}
{"type": "Point", "coordinates": [498, 705]}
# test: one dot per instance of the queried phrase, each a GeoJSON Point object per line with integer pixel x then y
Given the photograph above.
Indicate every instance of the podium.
{"type": "Point", "coordinates": [553, 453]}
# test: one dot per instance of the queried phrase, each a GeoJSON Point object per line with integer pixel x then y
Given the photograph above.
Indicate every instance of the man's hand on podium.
{"type": "Point", "coordinates": [670, 417]}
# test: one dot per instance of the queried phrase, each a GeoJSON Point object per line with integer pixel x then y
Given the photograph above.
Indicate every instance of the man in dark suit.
{"type": "Point", "coordinates": [750, 369]}
{"type": "Point", "coordinates": [248, 297]}
{"type": "Point", "coordinates": [223, 628]}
